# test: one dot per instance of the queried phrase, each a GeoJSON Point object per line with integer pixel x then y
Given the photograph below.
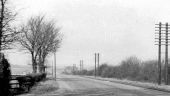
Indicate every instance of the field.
{"type": "Point", "coordinates": [20, 69]}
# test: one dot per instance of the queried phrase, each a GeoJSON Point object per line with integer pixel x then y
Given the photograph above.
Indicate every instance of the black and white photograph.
{"type": "Point", "coordinates": [84, 48]}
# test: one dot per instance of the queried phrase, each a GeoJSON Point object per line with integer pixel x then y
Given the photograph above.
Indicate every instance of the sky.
{"type": "Point", "coordinates": [116, 29]}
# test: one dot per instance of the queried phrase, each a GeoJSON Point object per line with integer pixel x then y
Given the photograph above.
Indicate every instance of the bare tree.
{"type": "Point", "coordinates": [29, 36]}
{"type": "Point", "coordinates": [7, 33]}
{"type": "Point", "coordinates": [39, 38]}
{"type": "Point", "coordinates": [50, 40]}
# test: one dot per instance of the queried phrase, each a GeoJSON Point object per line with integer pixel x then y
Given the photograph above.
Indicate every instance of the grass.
{"type": "Point", "coordinates": [45, 87]}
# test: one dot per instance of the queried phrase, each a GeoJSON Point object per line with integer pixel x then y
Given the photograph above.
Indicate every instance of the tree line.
{"type": "Point", "coordinates": [131, 68]}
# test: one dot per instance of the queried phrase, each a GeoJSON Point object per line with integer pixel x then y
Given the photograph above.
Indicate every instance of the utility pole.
{"type": "Point", "coordinates": [166, 54]}
{"type": "Point", "coordinates": [95, 65]}
{"type": "Point", "coordinates": [55, 65]}
{"type": "Point", "coordinates": [159, 53]}
{"type": "Point", "coordinates": [74, 68]}
{"type": "Point", "coordinates": [159, 56]}
{"type": "Point", "coordinates": [98, 64]}
{"type": "Point", "coordinates": [82, 65]}
{"type": "Point", "coordinates": [52, 69]}
{"type": "Point", "coordinates": [163, 40]}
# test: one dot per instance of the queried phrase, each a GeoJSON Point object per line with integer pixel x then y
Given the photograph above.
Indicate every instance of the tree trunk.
{"type": "Point", "coordinates": [40, 62]}
{"type": "Point", "coordinates": [43, 61]}
{"type": "Point", "coordinates": [40, 68]}
{"type": "Point", "coordinates": [34, 65]}
{"type": "Point", "coordinates": [34, 68]}
{"type": "Point", "coordinates": [43, 67]}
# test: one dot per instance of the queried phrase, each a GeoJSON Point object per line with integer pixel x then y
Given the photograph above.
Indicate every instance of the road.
{"type": "Point", "coordinates": [80, 86]}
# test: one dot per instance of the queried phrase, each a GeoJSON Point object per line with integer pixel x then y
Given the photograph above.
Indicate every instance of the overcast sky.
{"type": "Point", "coordinates": [116, 29]}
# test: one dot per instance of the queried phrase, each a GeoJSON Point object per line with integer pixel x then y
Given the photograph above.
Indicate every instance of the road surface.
{"type": "Point", "coordinates": [80, 86]}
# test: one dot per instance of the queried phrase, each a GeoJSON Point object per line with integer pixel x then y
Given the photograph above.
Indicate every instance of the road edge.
{"type": "Point", "coordinates": [130, 83]}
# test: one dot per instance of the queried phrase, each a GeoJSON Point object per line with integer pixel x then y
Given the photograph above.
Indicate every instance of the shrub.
{"type": "Point", "coordinates": [90, 72]}
{"type": "Point", "coordinates": [102, 68]}
{"type": "Point", "coordinates": [148, 71]}
{"type": "Point", "coordinates": [130, 67]}
{"type": "Point", "coordinates": [31, 78]}
{"type": "Point", "coordinates": [107, 72]}
{"type": "Point", "coordinates": [5, 76]}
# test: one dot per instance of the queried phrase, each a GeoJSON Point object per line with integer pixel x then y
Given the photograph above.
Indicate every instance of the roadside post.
{"type": "Point", "coordinates": [95, 65]}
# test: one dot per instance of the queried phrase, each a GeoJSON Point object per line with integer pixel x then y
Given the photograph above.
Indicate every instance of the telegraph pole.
{"type": "Point", "coordinates": [159, 56]}
{"type": "Point", "coordinates": [55, 65]}
{"type": "Point", "coordinates": [166, 54]}
{"type": "Point", "coordinates": [159, 53]}
{"type": "Point", "coordinates": [95, 65]}
{"type": "Point", "coordinates": [98, 64]}
{"type": "Point", "coordinates": [163, 40]}
{"type": "Point", "coordinates": [52, 69]}
{"type": "Point", "coordinates": [73, 68]}
{"type": "Point", "coordinates": [80, 65]}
